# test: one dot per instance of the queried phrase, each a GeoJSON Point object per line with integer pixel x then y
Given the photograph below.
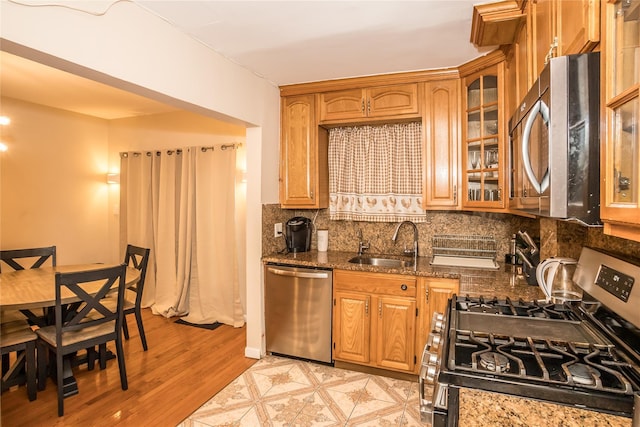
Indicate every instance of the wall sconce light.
{"type": "Point", "coordinates": [4, 121]}
{"type": "Point", "coordinates": [113, 178]}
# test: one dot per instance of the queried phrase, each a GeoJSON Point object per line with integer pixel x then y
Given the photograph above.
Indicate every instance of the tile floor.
{"type": "Point", "coordinates": [278, 391]}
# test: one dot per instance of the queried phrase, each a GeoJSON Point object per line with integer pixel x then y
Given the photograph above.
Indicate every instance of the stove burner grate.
{"type": "Point", "coordinates": [583, 374]}
{"type": "Point", "coordinates": [493, 361]}
{"type": "Point", "coordinates": [519, 308]}
{"type": "Point", "coordinates": [550, 362]}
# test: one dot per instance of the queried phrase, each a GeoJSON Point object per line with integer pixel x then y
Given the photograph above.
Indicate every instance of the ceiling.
{"type": "Point", "coordinates": [289, 42]}
{"type": "Point", "coordinates": [285, 42]}
{"type": "Point", "coordinates": [30, 81]}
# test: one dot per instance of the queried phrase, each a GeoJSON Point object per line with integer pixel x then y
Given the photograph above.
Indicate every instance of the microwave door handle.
{"type": "Point", "coordinates": [539, 108]}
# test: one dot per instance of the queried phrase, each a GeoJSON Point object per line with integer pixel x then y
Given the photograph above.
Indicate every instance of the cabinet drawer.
{"type": "Point", "coordinates": [375, 283]}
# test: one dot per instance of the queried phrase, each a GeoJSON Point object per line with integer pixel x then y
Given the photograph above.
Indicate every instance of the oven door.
{"type": "Point", "coordinates": [529, 154]}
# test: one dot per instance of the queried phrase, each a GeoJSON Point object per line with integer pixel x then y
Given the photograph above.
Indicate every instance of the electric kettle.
{"type": "Point", "coordinates": [555, 278]}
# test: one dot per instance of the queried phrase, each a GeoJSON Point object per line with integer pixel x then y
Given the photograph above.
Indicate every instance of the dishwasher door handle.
{"type": "Point", "coordinates": [300, 274]}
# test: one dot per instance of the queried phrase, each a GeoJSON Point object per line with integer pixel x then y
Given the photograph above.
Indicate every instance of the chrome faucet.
{"type": "Point", "coordinates": [407, 252]}
{"type": "Point", "coordinates": [362, 246]}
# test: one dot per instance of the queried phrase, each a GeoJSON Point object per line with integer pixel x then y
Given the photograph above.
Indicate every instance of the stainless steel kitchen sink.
{"type": "Point", "coordinates": [381, 262]}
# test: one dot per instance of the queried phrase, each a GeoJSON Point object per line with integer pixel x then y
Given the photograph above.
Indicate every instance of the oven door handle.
{"type": "Point", "coordinates": [539, 108]}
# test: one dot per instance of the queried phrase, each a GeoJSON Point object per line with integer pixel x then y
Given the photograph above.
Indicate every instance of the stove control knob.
{"type": "Point", "coordinates": [431, 374]}
{"type": "Point", "coordinates": [433, 341]}
{"type": "Point", "coordinates": [437, 322]}
{"type": "Point", "coordinates": [429, 358]}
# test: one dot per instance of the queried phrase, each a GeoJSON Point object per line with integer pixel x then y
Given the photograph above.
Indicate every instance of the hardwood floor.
{"type": "Point", "coordinates": [183, 368]}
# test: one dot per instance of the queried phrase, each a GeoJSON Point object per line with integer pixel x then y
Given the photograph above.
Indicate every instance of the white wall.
{"type": "Point", "coordinates": [54, 190]}
{"type": "Point", "coordinates": [134, 50]}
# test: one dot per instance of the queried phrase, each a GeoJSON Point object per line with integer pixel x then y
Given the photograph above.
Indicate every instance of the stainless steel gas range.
{"type": "Point", "coordinates": [583, 354]}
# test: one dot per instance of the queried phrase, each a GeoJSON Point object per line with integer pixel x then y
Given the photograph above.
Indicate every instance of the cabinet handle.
{"type": "Point", "coordinates": [553, 46]}
{"type": "Point", "coordinates": [366, 306]}
{"type": "Point", "coordinates": [368, 107]}
{"type": "Point", "coordinates": [499, 193]}
{"type": "Point", "coordinates": [455, 193]}
{"type": "Point", "coordinates": [380, 309]}
{"type": "Point", "coordinates": [362, 106]}
{"type": "Point", "coordinates": [403, 287]}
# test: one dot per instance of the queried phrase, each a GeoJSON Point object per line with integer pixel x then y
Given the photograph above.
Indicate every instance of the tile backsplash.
{"type": "Point", "coordinates": [558, 238]}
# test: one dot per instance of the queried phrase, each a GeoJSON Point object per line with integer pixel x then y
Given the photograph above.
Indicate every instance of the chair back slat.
{"type": "Point", "coordinates": [20, 259]}
{"type": "Point", "coordinates": [110, 279]}
{"type": "Point", "coordinates": [138, 258]}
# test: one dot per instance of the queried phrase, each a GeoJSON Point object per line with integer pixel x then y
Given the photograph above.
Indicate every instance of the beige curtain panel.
{"type": "Point", "coordinates": [180, 203]}
{"type": "Point", "coordinates": [375, 173]}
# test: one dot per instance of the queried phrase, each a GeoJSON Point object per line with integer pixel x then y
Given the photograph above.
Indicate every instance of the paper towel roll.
{"type": "Point", "coordinates": [323, 240]}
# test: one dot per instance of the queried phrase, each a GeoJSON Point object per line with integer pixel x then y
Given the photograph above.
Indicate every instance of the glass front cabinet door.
{"type": "Point", "coordinates": [482, 142]}
{"type": "Point", "coordinates": [620, 185]}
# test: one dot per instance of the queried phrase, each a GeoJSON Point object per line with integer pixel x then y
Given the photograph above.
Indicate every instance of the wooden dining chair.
{"type": "Point", "coordinates": [94, 324]}
{"type": "Point", "coordinates": [135, 257]}
{"type": "Point", "coordinates": [19, 259]}
{"type": "Point", "coordinates": [24, 259]}
{"type": "Point", "coordinates": [17, 336]}
{"type": "Point", "coordinates": [138, 258]}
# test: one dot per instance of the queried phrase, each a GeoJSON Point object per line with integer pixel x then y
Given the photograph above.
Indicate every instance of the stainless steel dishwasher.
{"type": "Point", "coordinates": [298, 304]}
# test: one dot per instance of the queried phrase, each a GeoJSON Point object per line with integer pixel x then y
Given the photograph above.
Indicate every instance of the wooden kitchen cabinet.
{"type": "Point", "coordinates": [518, 80]}
{"type": "Point", "coordinates": [433, 296]}
{"type": "Point", "coordinates": [351, 326]}
{"type": "Point", "coordinates": [484, 134]}
{"type": "Point", "coordinates": [441, 130]}
{"type": "Point", "coordinates": [374, 319]}
{"type": "Point", "coordinates": [620, 59]}
{"type": "Point", "coordinates": [384, 102]}
{"type": "Point", "coordinates": [438, 294]}
{"type": "Point", "coordinates": [304, 168]}
{"type": "Point", "coordinates": [561, 27]}
{"type": "Point", "coordinates": [394, 331]}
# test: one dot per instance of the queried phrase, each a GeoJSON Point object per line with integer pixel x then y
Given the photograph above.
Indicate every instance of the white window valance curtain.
{"type": "Point", "coordinates": [375, 173]}
{"type": "Point", "coordinates": [181, 203]}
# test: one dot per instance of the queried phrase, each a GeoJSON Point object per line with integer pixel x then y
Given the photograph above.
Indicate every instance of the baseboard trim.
{"type": "Point", "coordinates": [252, 353]}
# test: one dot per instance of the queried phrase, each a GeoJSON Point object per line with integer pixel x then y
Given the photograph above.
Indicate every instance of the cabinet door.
{"type": "Point", "coordinates": [542, 29]}
{"type": "Point", "coordinates": [517, 79]}
{"type": "Point", "coordinates": [351, 327]}
{"type": "Point", "coordinates": [440, 133]}
{"type": "Point", "coordinates": [341, 105]}
{"type": "Point", "coordinates": [562, 27]}
{"type": "Point", "coordinates": [394, 333]}
{"type": "Point", "coordinates": [578, 26]}
{"type": "Point", "coordinates": [303, 155]}
{"type": "Point", "coordinates": [395, 100]}
{"type": "Point", "coordinates": [440, 290]}
{"type": "Point", "coordinates": [483, 160]}
{"type": "Point", "coordinates": [620, 185]}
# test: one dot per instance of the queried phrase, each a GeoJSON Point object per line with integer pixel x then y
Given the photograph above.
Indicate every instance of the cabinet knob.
{"type": "Point", "coordinates": [403, 287]}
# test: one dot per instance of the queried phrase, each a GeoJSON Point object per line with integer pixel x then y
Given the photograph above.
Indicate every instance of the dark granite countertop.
{"type": "Point", "coordinates": [503, 282]}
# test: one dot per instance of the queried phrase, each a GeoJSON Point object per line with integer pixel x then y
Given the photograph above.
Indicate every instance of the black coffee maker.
{"type": "Point", "coordinates": [297, 234]}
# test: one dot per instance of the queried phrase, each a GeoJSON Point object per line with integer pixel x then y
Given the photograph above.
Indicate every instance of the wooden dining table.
{"type": "Point", "coordinates": [35, 288]}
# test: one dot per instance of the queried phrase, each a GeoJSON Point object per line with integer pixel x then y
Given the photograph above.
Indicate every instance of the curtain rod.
{"type": "Point", "coordinates": [178, 151]}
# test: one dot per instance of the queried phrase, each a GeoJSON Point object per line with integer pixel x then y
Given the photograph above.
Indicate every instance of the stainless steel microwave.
{"type": "Point", "coordinates": [554, 140]}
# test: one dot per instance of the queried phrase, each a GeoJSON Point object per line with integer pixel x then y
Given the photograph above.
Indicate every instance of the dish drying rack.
{"type": "Point", "coordinates": [464, 251]}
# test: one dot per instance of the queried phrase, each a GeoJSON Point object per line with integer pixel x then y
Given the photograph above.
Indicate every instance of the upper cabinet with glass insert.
{"type": "Point", "coordinates": [620, 184]}
{"type": "Point", "coordinates": [483, 138]}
